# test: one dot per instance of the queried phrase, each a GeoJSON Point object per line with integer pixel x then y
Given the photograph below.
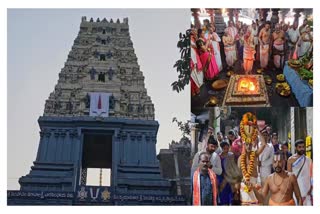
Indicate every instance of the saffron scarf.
{"type": "Point", "coordinates": [196, 187]}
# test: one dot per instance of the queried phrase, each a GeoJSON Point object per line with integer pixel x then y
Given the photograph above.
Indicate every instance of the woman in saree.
{"type": "Point", "coordinates": [305, 42]}
{"type": "Point", "coordinates": [195, 65]}
{"type": "Point", "coordinates": [229, 177]}
{"type": "Point", "coordinates": [216, 46]}
{"type": "Point", "coordinates": [209, 65]}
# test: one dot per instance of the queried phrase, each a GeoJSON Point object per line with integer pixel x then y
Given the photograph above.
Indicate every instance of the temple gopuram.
{"type": "Point", "coordinates": [99, 116]}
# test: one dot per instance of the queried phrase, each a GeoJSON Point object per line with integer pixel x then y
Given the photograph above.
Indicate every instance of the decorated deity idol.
{"type": "Point", "coordinates": [248, 159]}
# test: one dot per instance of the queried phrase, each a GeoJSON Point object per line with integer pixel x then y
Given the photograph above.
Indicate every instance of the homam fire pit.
{"type": "Point", "coordinates": [246, 90]}
{"type": "Point", "coordinates": [247, 85]}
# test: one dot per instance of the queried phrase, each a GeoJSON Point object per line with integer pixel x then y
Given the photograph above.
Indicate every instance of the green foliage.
{"type": "Point", "coordinates": [184, 127]}
{"type": "Point", "coordinates": [305, 74]}
{"type": "Point", "coordinates": [183, 64]}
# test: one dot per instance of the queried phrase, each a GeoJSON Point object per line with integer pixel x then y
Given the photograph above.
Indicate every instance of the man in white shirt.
{"type": "Point", "coordinates": [265, 159]}
{"type": "Point", "coordinates": [215, 160]}
{"type": "Point", "coordinates": [233, 32]}
{"type": "Point", "coordinates": [302, 167]}
{"type": "Point", "coordinates": [294, 35]}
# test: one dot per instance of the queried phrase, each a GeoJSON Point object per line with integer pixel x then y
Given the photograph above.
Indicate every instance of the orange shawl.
{"type": "Point", "coordinates": [288, 203]}
{"type": "Point", "coordinates": [196, 187]}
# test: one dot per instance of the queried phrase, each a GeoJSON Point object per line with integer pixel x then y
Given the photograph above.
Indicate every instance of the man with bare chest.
{"type": "Point", "coordinates": [264, 40]}
{"type": "Point", "coordinates": [302, 167]}
{"type": "Point", "coordinates": [278, 41]}
{"type": "Point", "coordinates": [281, 184]}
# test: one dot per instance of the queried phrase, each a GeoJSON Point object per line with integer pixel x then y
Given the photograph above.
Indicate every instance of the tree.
{"type": "Point", "coordinates": [183, 64]}
{"type": "Point", "coordinates": [184, 127]}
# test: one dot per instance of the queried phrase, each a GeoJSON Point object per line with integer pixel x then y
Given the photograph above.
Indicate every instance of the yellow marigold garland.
{"type": "Point", "coordinates": [247, 172]}
{"type": "Point", "coordinates": [250, 120]}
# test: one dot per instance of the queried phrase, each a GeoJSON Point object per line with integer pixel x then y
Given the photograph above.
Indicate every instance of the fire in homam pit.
{"type": "Point", "coordinates": [246, 90]}
{"type": "Point", "coordinates": [247, 85]}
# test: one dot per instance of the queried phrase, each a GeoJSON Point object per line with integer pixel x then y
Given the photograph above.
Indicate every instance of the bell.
{"type": "Point", "coordinates": [213, 101]}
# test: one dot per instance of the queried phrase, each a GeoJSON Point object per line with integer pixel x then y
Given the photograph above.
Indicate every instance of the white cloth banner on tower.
{"type": "Point", "coordinates": [99, 104]}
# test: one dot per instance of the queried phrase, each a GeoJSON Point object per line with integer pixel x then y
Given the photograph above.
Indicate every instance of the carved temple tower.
{"type": "Point", "coordinates": [101, 62]}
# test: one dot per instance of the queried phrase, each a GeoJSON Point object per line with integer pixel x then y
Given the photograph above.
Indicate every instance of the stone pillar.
{"type": "Point", "coordinates": [194, 139]}
{"type": "Point", "coordinates": [258, 13]}
{"type": "Point", "coordinates": [236, 14]}
{"type": "Point", "coordinates": [263, 14]}
{"type": "Point", "coordinates": [212, 117]}
{"type": "Point", "coordinates": [307, 12]}
{"type": "Point", "coordinates": [51, 147]}
{"type": "Point", "coordinates": [275, 17]}
{"type": "Point", "coordinates": [284, 12]}
{"type": "Point", "coordinates": [75, 146]}
{"type": "Point", "coordinates": [40, 153]}
{"type": "Point", "coordinates": [211, 14]}
{"type": "Point", "coordinates": [60, 145]}
{"type": "Point", "coordinates": [195, 14]}
{"type": "Point", "coordinates": [153, 148]}
{"type": "Point", "coordinates": [176, 166]}
{"type": "Point", "coordinates": [67, 148]}
{"type": "Point", "coordinates": [230, 14]}
{"type": "Point", "coordinates": [125, 142]}
{"type": "Point", "coordinates": [292, 122]}
{"type": "Point", "coordinates": [219, 22]}
{"type": "Point", "coordinates": [309, 118]}
{"type": "Point", "coordinates": [217, 121]}
{"type": "Point", "coordinates": [297, 15]}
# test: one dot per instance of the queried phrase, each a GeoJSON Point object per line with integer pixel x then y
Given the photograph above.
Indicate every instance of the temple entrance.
{"type": "Point", "coordinates": [96, 159]}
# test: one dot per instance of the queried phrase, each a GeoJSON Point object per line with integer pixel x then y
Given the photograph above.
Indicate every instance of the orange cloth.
{"type": "Point", "coordinates": [196, 187]}
{"type": "Point", "coordinates": [288, 203]}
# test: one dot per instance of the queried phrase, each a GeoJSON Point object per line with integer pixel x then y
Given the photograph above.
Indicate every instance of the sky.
{"type": "Point", "coordinates": [39, 41]}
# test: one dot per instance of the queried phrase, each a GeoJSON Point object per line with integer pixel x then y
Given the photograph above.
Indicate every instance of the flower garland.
{"type": "Point", "coordinates": [247, 172]}
{"type": "Point", "coordinates": [249, 119]}
{"type": "Point", "coordinates": [248, 133]}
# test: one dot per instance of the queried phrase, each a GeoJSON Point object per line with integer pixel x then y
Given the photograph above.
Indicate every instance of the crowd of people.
{"type": "Point", "coordinates": [276, 177]}
{"type": "Point", "coordinates": [259, 42]}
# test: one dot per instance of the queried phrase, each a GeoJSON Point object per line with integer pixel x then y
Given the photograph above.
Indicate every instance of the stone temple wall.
{"type": "Point", "coordinates": [102, 59]}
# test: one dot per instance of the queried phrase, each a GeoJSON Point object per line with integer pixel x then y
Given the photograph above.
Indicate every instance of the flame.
{"type": "Point", "coordinates": [247, 84]}
{"type": "Point", "coordinates": [244, 84]}
{"type": "Point", "coordinates": [251, 86]}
